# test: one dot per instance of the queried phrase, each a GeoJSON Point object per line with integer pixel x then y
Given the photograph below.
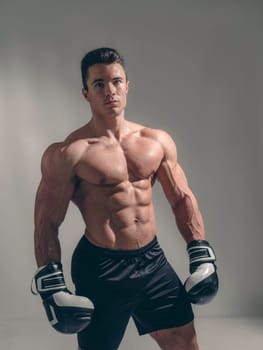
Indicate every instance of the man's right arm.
{"type": "Point", "coordinates": [52, 199]}
{"type": "Point", "coordinates": [66, 312]}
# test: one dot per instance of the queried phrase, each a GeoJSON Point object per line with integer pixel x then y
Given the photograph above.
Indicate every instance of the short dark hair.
{"type": "Point", "coordinates": [103, 55]}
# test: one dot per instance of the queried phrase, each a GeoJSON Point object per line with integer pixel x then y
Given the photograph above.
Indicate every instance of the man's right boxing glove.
{"type": "Point", "coordinates": [202, 285]}
{"type": "Point", "coordinates": [66, 312]}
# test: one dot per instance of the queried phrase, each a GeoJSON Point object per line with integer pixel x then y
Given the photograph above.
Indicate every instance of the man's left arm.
{"type": "Point", "coordinates": [202, 285]}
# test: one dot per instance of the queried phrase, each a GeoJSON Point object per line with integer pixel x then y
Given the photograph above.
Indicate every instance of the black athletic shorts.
{"type": "Point", "coordinates": [136, 283]}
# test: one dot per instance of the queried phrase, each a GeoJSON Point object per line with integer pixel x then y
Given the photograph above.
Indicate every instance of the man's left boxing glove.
{"type": "Point", "coordinates": [202, 285]}
{"type": "Point", "coordinates": [66, 312]}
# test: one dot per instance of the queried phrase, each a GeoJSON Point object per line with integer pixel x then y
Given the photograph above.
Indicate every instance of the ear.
{"type": "Point", "coordinates": [127, 86]}
{"type": "Point", "coordinates": [85, 94]}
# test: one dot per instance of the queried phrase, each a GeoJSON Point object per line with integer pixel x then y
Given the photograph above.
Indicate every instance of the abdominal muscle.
{"type": "Point", "coordinates": [117, 216]}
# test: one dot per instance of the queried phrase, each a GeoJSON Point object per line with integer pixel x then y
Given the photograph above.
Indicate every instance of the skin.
{"type": "Point", "coordinates": [107, 168]}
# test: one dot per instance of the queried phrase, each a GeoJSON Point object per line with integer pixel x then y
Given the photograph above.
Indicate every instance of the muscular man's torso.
{"type": "Point", "coordinates": [113, 187]}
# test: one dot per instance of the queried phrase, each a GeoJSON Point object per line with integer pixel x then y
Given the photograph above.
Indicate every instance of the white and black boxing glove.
{"type": "Point", "coordinates": [202, 285]}
{"type": "Point", "coordinates": [67, 313]}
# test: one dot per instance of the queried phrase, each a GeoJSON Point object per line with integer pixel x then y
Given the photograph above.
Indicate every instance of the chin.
{"type": "Point", "coordinates": [114, 112]}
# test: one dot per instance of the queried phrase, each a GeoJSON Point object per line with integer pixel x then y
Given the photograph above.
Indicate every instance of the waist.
{"type": "Point", "coordinates": [119, 252]}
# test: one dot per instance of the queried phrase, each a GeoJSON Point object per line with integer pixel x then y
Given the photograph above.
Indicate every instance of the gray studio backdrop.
{"type": "Point", "coordinates": [196, 71]}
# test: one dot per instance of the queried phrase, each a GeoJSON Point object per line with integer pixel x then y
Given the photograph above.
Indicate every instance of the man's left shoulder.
{"type": "Point", "coordinates": [156, 134]}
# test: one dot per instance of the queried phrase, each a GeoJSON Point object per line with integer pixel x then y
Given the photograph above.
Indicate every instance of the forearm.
{"type": "Point", "coordinates": [47, 246]}
{"type": "Point", "coordinates": [189, 219]}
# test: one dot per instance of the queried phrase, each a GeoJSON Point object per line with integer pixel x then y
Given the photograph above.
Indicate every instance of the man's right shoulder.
{"type": "Point", "coordinates": [65, 152]}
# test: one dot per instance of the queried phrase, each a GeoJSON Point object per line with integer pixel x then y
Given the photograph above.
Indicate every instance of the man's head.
{"type": "Point", "coordinates": [105, 83]}
{"type": "Point", "coordinates": [102, 55]}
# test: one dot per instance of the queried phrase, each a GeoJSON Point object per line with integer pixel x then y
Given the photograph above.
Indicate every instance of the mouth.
{"type": "Point", "coordinates": [112, 103]}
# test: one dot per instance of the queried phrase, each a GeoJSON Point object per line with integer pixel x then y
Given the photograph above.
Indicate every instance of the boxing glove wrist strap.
{"type": "Point", "coordinates": [48, 279]}
{"type": "Point", "coordinates": [200, 251]}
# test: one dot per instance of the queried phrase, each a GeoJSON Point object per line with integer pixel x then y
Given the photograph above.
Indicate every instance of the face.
{"type": "Point", "coordinates": [107, 89]}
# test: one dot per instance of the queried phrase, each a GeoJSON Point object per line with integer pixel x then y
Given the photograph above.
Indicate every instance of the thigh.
{"type": "Point", "coordinates": [165, 304]}
{"type": "Point", "coordinates": [112, 310]}
{"type": "Point", "coordinates": [97, 277]}
{"type": "Point", "coordinates": [106, 329]}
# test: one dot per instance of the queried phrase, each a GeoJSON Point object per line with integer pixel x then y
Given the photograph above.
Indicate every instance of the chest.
{"type": "Point", "coordinates": [133, 159]}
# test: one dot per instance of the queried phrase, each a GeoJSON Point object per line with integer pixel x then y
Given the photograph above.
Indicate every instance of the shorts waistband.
{"type": "Point", "coordinates": [120, 252]}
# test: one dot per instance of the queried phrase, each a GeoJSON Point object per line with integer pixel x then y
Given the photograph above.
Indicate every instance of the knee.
{"type": "Point", "coordinates": [179, 338]}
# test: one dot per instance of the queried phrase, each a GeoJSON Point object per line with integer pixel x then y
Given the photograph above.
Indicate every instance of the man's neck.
{"type": "Point", "coordinates": [117, 126]}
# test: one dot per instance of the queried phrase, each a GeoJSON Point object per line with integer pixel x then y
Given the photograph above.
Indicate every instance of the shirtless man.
{"type": "Point", "coordinates": [107, 168]}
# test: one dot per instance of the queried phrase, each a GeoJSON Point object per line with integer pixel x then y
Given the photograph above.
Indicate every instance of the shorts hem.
{"type": "Point", "coordinates": [167, 326]}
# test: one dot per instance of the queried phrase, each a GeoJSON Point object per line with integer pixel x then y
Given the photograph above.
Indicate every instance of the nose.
{"type": "Point", "coordinates": [110, 89]}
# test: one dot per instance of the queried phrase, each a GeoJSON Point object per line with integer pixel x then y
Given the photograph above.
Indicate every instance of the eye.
{"type": "Point", "coordinates": [117, 81]}
{"type": "Point", "coordinates": [99, 85]}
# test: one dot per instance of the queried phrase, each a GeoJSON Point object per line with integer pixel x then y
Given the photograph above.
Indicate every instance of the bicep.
{"type": "Point", "coordinates": [170, 174]}
{"type": "Point", "coordinates": [52, 201]}
{"type": "Point", "coordinates": [173, 181]}
{"type": "Point", "coordinates": [55, 190]}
